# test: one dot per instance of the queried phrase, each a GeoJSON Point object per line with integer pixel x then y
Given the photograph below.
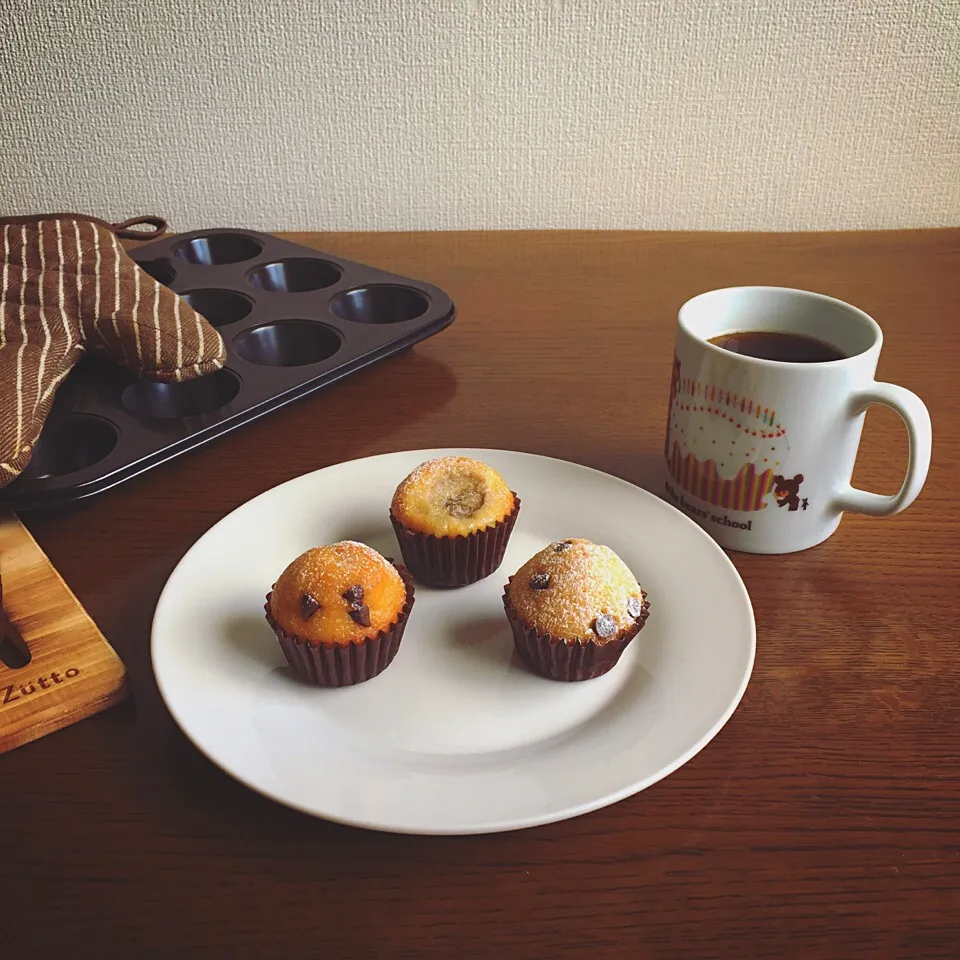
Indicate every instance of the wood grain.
{"type": "Point", "coordinates": [821, 823]}
{"type": "Point", "coordinates": [73, 672]}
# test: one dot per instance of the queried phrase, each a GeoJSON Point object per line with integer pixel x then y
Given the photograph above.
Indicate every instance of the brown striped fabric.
{"type": "Point", "coordinates": [67, 285]}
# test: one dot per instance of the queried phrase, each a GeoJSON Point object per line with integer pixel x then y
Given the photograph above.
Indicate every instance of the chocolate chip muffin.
{"type": "Point", "coordinates": [574, 607]}
{"type": "Point", "coordinates": [453, 517]}
{"type": "Point", "coordinates": [339, 612]}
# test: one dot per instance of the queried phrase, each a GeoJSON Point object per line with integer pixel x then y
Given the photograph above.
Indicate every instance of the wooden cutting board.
{"type": "Point", "coordinates": [73, 672]}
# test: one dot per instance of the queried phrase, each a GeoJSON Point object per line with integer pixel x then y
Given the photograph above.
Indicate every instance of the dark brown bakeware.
{"type": "Point", "coordinates": [293, 320]}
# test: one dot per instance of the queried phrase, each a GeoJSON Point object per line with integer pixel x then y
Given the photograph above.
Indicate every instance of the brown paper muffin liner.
{"type": "Point", "coordinates": [455, 561]}
{"type": "Point", "coordinates": [336, 665]}
{"type": "Point", "coordinates": [556, 659]}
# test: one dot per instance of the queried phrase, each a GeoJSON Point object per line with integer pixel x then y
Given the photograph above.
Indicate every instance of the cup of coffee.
{"type": "Point", "coordinates": [767, 400]}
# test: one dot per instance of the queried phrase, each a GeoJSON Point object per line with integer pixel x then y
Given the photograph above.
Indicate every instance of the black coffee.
{"type": "Point", "coordinates": [787, 347]}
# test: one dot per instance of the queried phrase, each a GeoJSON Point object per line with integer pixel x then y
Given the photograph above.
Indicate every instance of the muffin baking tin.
{"type": "Point", "coordinates": [293, 320]}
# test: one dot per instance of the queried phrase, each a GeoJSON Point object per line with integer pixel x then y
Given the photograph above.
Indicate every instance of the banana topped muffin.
{"type": "Point", "coordinates": [574, 607]}
{"type": "Point", "coordinates": [452, 496]}
{"type": "Point", "coordinates": [339, 612]}
{"type": "Point", "coordinates": [453, 517]}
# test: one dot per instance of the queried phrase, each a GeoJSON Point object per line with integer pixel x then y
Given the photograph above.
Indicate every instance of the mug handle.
{"type": "Point", "coordinates": [916, 418]}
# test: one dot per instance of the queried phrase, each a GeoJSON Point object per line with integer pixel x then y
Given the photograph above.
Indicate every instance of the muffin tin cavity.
{"type": "Point", "coordinates": [153, 400]}
{"type": "Point", "coordinates": [380, 303]}
{"type": "Point", "coordinates": [161, 270]}
{"type": "Point", "coordinates": [218, 248]}
{"type": "Point", "coordinates": [70, 444]}
{"type": "Point", "coordinates": [299, 275]}
{"type": "Point", "coordinates": [287, 343]}
{"type": "Point", "coordinates": [293, 320]}
{"type": "Point", "coordinates": [219, 307]}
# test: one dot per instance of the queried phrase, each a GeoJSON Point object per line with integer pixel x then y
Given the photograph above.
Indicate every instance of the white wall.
{"type": "Point", "coordinates": [455, 114]}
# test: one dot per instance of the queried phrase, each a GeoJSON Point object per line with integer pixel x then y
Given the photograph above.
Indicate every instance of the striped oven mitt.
{"type": "Point", "coordinates": [68, 286]}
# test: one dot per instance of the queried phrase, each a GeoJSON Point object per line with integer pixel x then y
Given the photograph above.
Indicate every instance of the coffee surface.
{"type": "Point", "coordinates": [786, 347]}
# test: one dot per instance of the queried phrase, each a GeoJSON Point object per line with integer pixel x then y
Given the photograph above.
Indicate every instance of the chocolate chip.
{"type": "Point", "coordinates": [604, 626]}
{"type": "Point", "coordinates": [540, 581]}
{"type": "Point", "coordinates": [308, 606]}
{"type": "Point", "coordinates": [354, 596]}
{"type": "Point", "coordinates": [361, 615]}
{"type": "Point", "coordinates": [562, 545]}
{"type": "Point", "coordinates": [633, 607]}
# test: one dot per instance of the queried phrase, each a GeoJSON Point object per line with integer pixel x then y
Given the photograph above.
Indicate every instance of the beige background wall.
{"type": "Point", "coordinates": [449, 114]}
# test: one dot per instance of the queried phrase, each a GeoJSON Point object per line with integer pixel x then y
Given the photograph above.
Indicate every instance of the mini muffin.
{"type": "Point", "coordinates": [339, 612]}
{"type": "Point", "coordinates": [573, 608]}
{"type": "Point", "coordinates": [453, 517]}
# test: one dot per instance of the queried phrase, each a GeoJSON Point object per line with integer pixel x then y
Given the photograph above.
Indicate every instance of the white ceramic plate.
{"type": "Point", "coordinates": [456, 736]}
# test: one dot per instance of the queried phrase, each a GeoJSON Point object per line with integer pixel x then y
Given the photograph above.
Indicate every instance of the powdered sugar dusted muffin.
{"type": "Point", "coordinates": [453, 517]}
{"type": "Point", "coordinates": [339, 612]}
{"type": "Point", "coordinates": [574, 607]}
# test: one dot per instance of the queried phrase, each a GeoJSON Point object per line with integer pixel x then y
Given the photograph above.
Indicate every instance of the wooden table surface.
{"type": "Point", "coordinates": [824, 819]}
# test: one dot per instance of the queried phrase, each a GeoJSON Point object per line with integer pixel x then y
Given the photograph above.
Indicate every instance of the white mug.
{"type": "Point", "coordinates": [760, 452]}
